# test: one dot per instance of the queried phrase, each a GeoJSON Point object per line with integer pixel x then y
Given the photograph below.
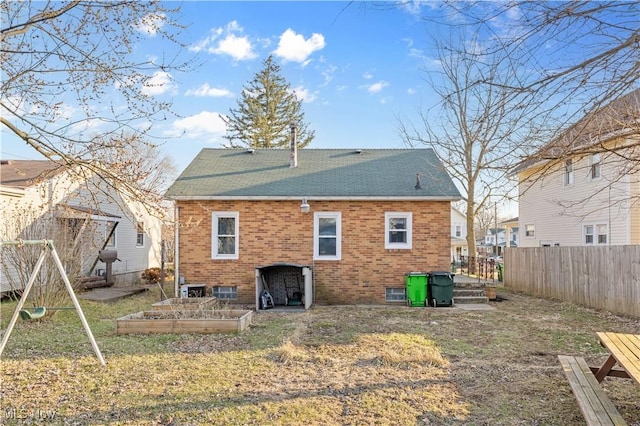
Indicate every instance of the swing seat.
{"type": "Point", "coordinates": [38, 312]}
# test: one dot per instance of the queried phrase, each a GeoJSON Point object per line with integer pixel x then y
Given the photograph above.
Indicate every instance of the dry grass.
{"type": "Point", "coordinates": [329, 365]}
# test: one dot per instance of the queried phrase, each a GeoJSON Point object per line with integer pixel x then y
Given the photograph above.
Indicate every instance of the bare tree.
{"type": "Point", "coordinates": [573, 59]}
{"type": "Point", "coordinates": [477, 128]}
{"type": "Point", "coordinates": [71, 83]}
{"type": "Point", "coordinates": [73, 238]}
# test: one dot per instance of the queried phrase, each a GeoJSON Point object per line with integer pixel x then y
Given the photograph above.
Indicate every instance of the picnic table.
{"type": "Point", "coordinates": [624, 351]}
{"type": "Point", "coordinates": [596, 407]}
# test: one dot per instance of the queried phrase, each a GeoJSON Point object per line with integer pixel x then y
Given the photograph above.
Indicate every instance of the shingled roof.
{"type": "Point", "coordinates": [24, 173]}
{"type": "Point", "coordinates": [320, 173]}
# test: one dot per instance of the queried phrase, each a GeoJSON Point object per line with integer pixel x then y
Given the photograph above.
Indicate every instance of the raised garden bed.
{"type": "Point", "coordinates": [185, 303]}
{"type": "Point", "coordinates": [185, 321]}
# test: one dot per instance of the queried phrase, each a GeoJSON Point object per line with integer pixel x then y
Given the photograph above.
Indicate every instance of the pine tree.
{"type": "Point", "coordinates": [265, 112]}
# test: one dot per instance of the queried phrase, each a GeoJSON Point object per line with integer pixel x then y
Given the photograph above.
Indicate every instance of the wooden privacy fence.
{"type": "Point", "coordinates": [605, 278]}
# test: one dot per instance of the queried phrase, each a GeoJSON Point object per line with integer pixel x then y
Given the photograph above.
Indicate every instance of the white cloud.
{"type": "Point", "coordinates": [367, 76]}
{"type": "Point", "coordinates": [293, 47]}
{"type": "Point", "coordinates": [206, 124]}
{"type": "Point", "coordinates": [377, 87]}
{"type": "Point", "coordinates": [227, 40]}
{"type": "Point", "coordinates": [305, 95]}
{"type": "Point", "coordinates": [151, 24]}
{"type": "Point", "coordinates": [207, 91]}
{"type": "Point", "coordinates": [411, 91]}
{"type": "Point", "coordinates": [239, 48]}
{"type": "Point", "coordinates": [158, 84]}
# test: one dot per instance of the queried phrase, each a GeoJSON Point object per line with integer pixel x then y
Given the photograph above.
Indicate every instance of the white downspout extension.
{"type": "Point", "coordinates": [176, 252]}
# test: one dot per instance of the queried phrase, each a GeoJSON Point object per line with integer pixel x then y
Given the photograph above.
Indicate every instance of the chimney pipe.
{"type": "Point", "coordinates": [293, 149]}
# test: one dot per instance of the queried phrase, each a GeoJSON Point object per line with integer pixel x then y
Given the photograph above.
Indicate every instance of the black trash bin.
{"type": "Point", "coordinates": [440, 288]}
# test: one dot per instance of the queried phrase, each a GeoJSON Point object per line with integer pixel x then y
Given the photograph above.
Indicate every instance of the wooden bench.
{"type": "Point", "coordinates": [595, 405]}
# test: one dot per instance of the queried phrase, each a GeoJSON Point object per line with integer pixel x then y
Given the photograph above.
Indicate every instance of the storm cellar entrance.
{"type": "Point", "coordinates": [287, 286]}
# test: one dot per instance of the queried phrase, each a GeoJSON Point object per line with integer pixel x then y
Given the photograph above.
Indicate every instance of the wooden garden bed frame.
{"type": "Point", "coordinates": [185, 321]}
{"type": "Point", "coordinates": [185, 303]}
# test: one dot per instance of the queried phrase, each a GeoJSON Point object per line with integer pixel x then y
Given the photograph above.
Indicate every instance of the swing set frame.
{"type": "Point", "coordinates": [47, 246]}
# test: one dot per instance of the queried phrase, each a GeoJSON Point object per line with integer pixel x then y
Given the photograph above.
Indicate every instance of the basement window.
{"type": "Point", "coordinates": [395, 294]}
{"type": "Point", "coordinates": [226, 293]}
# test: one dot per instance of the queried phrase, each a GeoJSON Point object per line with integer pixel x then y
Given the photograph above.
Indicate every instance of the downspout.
{"type": "Point", "coordinates": [176, 251]}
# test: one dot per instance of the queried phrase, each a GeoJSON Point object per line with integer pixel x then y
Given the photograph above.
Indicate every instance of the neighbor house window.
{"type": "Point", "coordinates": [595, 234]}
{"type": "Point", "coordinates": [397, 229]}
{"type": "Point", "coordinates": [595, 166]}
{"type": "Point", "coordinates": [458, 230]}
{"type": "Point", "coordinates": [568, 172]}
{"type": "Point", "coordinates": [530, 230]}
{"type": "Point", "coordinates": [225, 233]}
{"type": "Point", "coordinates": [227, 293]}
{"type": "Point", "coordinates": [395, 294]}
{"type": "Point", "coordinates": [109, 225]}
{"type": "Point", "coordinates": [327, 237]}
{"type": "Point", "coordinates": [140, 234]}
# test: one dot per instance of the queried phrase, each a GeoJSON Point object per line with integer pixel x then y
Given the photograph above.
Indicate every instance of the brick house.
{"type": "Point", "coordinates": [347, 224]}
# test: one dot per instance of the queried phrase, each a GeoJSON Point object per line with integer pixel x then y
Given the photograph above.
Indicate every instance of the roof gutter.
{"type": "Point", "coordinates": [11, 191]}
{"type": "Point", "coordinates": [315, 198]}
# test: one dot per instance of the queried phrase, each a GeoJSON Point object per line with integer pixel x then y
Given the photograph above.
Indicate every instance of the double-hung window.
{"type": "Point", "coordinates": [530, 230]}
{"type": "Point", "coordinates": [568, 172]}
{"type": "Point", "coordinates": [595, 167]}
{"type": "Point", "coordinates": [140, 234]}
{"type": "Point", "coordinates": [595, 234]}
{"type": "Point", "coordinates": [225, 231]}
{"type": "Point", "coordinates": [397, 230]}
{"type": "Point", "coordinates": [108, 226]}
{"type": "Point", "coordinates": [327, 244]}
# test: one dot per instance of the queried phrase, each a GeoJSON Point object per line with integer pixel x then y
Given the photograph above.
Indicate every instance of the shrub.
{"type": "Point", "coordinates": [151, 275]}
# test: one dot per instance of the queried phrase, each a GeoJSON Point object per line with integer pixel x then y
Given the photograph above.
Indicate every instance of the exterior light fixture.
{"type": "Point", "coordinates": [305, 207]}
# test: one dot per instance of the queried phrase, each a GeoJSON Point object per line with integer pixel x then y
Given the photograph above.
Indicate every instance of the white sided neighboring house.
{"type": "Point", "coordinates": [459, 246]}
{"type": "Point", "coordinates": [41, 200]}
{"type": "Point", "coordinates": [583, 189]}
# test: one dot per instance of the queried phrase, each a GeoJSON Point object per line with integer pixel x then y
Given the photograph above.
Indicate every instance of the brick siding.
{"type": "Point", "coordinates": [277, 232]}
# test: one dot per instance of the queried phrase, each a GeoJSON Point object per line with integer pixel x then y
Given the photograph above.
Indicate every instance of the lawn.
{"type": "Point", "coordinates": [385, 365]}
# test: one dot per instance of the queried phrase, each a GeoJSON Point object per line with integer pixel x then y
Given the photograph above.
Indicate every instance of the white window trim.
{"type": "Point", "coordinates": [214, 235]}
{"type": "Point", "coordinates": [525, 230]}
{"type": "Point", "coordinates": [595, 233]}
{"type": "Point", "coordinates": [568, 177]}
{"type": "Point", "coordinates": [316, 235]}
{"type": "Point", "coordinates": [107, 227]}
{"type": "Point", "coordinates": [592, 163]}
{"type": "Point", "coordinates": [400, 246]}
{"type": "Point", "coordinates": [144, 240]}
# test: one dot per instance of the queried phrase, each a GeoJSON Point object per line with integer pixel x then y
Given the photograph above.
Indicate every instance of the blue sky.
{"type": "Point", "coordinates": [357, 67]}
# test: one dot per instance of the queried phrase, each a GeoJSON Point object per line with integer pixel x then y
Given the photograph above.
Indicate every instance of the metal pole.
{"type": "Point", "coordinates": [85, 324]}
{"type": "Point", "coordinates": [162, 257]}
{"type": "Point", "coordinates": [27, 289]}
{"type": "Point", "coordinates": [495, 218]}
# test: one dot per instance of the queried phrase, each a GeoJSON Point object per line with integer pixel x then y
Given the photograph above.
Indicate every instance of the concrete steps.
{"type": "Point", "coordinates": [469, 296]}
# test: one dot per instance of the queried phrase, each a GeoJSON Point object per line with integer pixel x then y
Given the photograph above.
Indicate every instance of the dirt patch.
{"type": "Point", "coordinates": [356, 365]}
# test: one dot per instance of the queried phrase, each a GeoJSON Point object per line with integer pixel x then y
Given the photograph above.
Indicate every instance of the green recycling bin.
{"type": "Point", "coordinates": [416, 288]}
{"type": "Point", "coordinates": [500, 272]}
{"type": "Point", "coordinates": [440, 288]}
